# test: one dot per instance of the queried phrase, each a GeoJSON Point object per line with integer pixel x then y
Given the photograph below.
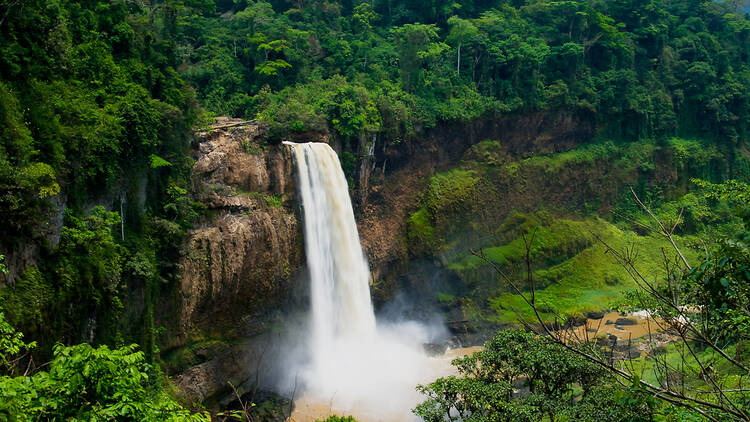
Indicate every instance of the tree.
{"type": "Point", "coordinates": [462, 31]}
{"type": "Point", "coordinates": [11, 347]}
{"type": "Point", "coordinates": [520, 376]}
{"type": "Point", "coordinates": [272, 67]}
{"type": "Point", "coordinates": [416, 43]}
{"type": "Point", "coordinates": [82, 383]}
{"type": "Point", "coordinates": [86, 383]}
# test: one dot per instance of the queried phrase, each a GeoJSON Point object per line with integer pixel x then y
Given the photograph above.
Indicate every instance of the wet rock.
{"type": "Point", "coordinates": [626, 321]}
{"type": "Point", "coordinates": [209, 381]}
{"type": "Point", "coordinates": [576, 321]}
{"type": "Point", "coordinates": [628, 350]}
{"type": "Point", "coordinates": [602, 339]}
{"type": "Point", "coordinates": [240, 263]}
{"type": "Point", "coordinates": [238, 266]}
{"type": "Point", "coordinates": [595, 315]}
{"type": "Point", "coordinates": [398, 174]}
{"type": "Point", "coordinates": [267, 406]}
{"type": "Point", "coordinates": [435, 349]}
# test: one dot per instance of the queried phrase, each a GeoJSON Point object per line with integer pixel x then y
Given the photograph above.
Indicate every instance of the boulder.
{"type": "Point", "coordinates": [626, 321]}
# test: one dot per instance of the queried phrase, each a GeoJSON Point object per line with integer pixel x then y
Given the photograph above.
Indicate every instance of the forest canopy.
{"type": "Point", "coordinates": [637, 68]}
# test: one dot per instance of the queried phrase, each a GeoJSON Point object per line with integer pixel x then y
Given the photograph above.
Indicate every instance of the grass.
{"type": "Point", "coordinates": [419, 228]}
{"type": "Point", "coordinates": [553, 240]}
{"type": "Point", "coordinates": [574, 273]}
{"type": "Point", "coordinates": [673, 353]}
{"type": "Point", "coordinates": [274, 200]}
{"type": "Point", "coordinates": [585, 154]}
{"type": "Point", "coordinates": [449, 190]}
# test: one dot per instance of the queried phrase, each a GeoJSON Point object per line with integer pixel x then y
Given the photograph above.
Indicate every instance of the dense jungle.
{"type": "Point", "coordinates": [563, 187]}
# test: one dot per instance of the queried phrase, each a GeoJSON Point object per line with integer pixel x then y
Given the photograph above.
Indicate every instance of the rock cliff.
{"type": "Point", "coordinates": [239, 264]}
{"type": "Point", "coordinates": [402, 170]}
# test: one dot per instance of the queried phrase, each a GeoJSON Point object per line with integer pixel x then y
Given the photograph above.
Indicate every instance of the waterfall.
{"type": "Point", "coordinates": [354, 364]}
{"type": "Point", "coordinates": [339, 276]}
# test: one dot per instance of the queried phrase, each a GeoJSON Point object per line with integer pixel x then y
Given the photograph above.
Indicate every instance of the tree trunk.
{"type": "Point", "coordinates": [458, 62]}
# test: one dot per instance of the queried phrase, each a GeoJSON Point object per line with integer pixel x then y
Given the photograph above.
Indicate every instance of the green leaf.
{"type": "Point", "coordinates": [157, 162]}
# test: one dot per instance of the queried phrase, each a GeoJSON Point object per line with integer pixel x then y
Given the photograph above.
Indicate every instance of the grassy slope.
{"type": "Point", "coordinates": [589, 280]}
{"type": "Point", "coordinates": [492, 200]}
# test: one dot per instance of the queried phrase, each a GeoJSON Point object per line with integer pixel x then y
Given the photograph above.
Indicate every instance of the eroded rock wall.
{"type": "Point", "coordinates": [401, 172]}
{"type": "Point", "coordinates": [239, 265]}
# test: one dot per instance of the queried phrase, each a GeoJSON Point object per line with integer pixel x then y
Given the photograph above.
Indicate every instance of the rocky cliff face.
{"type": "Point", "coordinates": [401, 171]}
{"type": "Point", "coordinates": [239, 265]}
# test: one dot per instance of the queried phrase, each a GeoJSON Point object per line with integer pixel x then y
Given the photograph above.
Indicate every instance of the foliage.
{"type": "Point", "coordinates": [89, 93]}
{"type": "Point", "coordinates": [274, 201]}
{"type": "Point", "coordinates": [97, 99]}
{"type": "Point", "coordinates": [350, 108]}
{"type": "Point", "coordinates": [450, 191]}
{"type": "Point", "coordinates": [420, 233]}
{"type": "Point", "coordinates": [335, 418]}
{"type": "Point", "coordinates": [11, 346]}
{"type": "Point", "coordinates": [553, 382]}
{"type": "Point", "coordinates": [572, 270]}
{"type": "Point", "coordinates": [578, 281]}
{"type": "Point", "coordinates": [93, 112]}
{"type": "Point", "coordinates": [702, 308]}
{"type": "Point", "coordinates": [82, 383]}
{"type": "Point", "coordinates": [86, 383]}
{"type": "Point", "coordinates": [634, 72]}
{"type": "Point", "coordinates": [731, 189]}
{"type": "Point", "coordinates": [736, 193]}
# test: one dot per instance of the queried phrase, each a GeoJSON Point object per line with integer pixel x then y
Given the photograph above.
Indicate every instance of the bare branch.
{"type": "Point", "coordinates": [666, 233]}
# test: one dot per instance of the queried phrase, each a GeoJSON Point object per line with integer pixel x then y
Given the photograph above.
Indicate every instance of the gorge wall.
{"type": "Point", "coordinates": [402, 171]}
{"type": "Point", "coordinates": [239, 264]}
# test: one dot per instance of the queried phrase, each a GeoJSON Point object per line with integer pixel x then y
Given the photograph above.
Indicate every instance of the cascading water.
{"type": "Point", "coordinates": [354, 363]}
{"type": "Point", "coordinates": [340, 295]}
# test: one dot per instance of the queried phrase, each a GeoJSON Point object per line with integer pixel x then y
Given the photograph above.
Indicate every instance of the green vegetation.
{"type": "Point", "coordinates": [694, 365]}
{"type": "Point", "coordinates": [97, 100]}
{"type": "Point", "coordinates": [491, 203]}
{"type": "Point", "coordinates": [90, 98]}
{"type": "Point", "coordinates": [574, 275]}
{"type": "Point", "coordinates": [335, 418]}
{"type": "Point", "coordinates": [394, 68]}
{"type": "Point", "coordinates": [274, 201]}
{"type": "Point", "coordinates": [82, 383]}
{"type": "Point", "coordinates": [450, 191]}
{"type": "Point", "coordinates": [93, 112]}
{"type": "Point", "coordinates": [519, 376]}
{"type": "Point", "coordinates": [419, 231]}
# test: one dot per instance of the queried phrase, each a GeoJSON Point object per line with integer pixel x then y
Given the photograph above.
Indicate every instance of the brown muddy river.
{"type": "Point", "coordinates": [623, 327]}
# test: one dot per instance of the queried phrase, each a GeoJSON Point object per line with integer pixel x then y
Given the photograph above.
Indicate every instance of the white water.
{"type": "Point", "coordinates": [354, 363]}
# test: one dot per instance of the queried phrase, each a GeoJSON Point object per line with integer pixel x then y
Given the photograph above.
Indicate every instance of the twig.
{"type": "Point", "coordinates": [245, 409]}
